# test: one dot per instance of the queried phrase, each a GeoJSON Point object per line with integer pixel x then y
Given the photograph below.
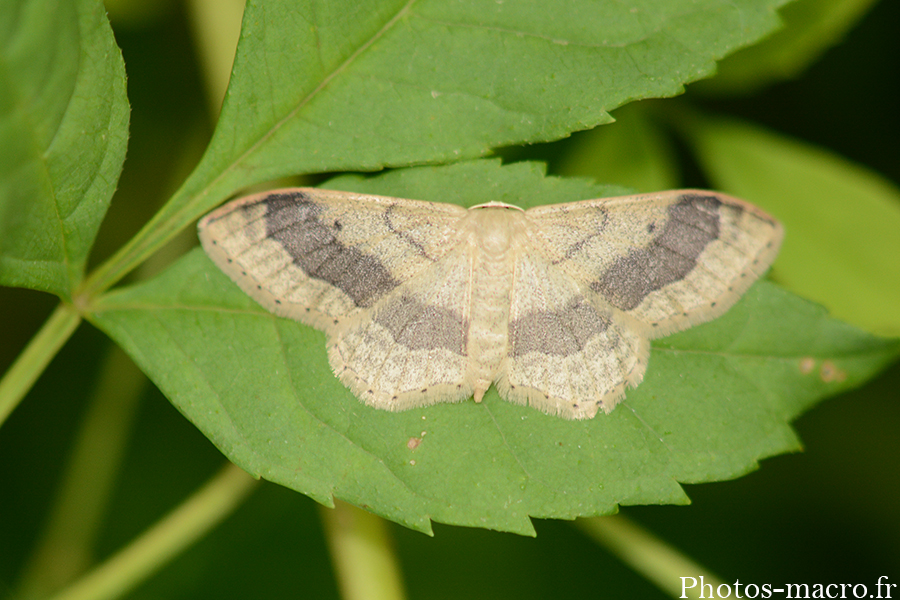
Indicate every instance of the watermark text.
{"type": "Point", "coordinates": [698, 588]}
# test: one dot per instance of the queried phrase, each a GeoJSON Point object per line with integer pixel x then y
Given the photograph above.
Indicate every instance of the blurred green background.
{"type": "Point", "coordinates": [828, 515]}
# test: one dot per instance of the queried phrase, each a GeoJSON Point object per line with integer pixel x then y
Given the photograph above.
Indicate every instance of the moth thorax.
{"type": "Point", "coordinates": [495, 229]}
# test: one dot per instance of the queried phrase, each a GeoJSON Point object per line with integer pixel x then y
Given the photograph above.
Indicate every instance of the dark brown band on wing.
{"type": "Point", "coordinates": [294, 220]}
{"type": "Point", "coordinates": [692, 224]}
{"type": "Point", "coordinates": [561, 333]}
{"type": "Point", "coordinates": [421, 326]}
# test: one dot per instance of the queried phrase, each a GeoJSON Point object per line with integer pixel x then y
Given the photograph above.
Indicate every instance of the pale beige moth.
{"type": "Point", "coordinates": [425, 302]}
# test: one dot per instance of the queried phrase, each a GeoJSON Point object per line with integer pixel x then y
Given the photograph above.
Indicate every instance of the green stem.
{"type": "Point", "coordinates": [165, 540]}
{"type": "Point", "coordinates": [662, 564]}
{"type": "Point", "coordinates": [164, 225]}
{"type": "Point", "coordinates": [361, 551]}
{"type": "Point", "coordinates": [65, 547]}
{"type": "Point", "coordinates": [35, 357]}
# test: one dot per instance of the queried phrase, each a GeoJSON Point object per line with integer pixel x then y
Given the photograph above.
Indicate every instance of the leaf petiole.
{"type": "Point", "coordinates": [180, 528]}
{"type": "Point", "coordinates": [648, 555]}
{"type": "Point", "coordinates": [364, 561]}
{"type": "Point", "coordinates": [36, 356]}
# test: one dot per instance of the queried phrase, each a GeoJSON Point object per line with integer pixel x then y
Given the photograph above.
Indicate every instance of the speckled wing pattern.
{"type": "Point", "coordinates": [426, 302]}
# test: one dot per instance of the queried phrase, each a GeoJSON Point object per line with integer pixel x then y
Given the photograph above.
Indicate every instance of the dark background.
{"type": "Point", "coordinates": [827, 515]}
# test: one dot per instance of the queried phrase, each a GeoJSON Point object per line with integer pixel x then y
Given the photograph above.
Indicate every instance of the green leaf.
{"type": "Point", "coordinates": [632, 152]}
{"type": "Point", "coordinates": [360, 85]}
{"type": "Point", "coordinates": [842, 220]}
{"type": "Point", "coordinates": [810, 28]}
{"type": "Point", "coordinates": [363, 85]}
{"type": "Point", "coordinates": [716, 398]}
{"type": "Point", "coordinates": [476, 182]}
{"type": "Point", "coordinates": [387, 83]}
{"type": "Point", "coordinates": [63, 133]}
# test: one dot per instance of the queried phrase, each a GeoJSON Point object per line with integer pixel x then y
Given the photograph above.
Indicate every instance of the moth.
{"type": "Point", "coordinates": [555, 306]}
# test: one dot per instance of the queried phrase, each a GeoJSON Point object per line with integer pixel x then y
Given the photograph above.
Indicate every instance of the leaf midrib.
{"type": "Point", "coordinates": [149, 239]}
